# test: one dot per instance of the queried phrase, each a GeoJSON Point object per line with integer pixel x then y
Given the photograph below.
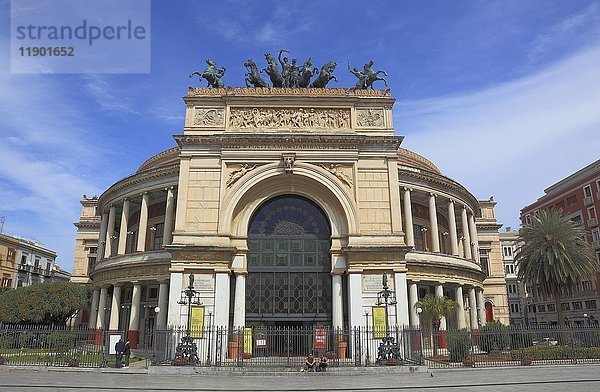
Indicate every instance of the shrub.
{"type": "Point", "coordinates": [555, 352]}
{"type": "Point", "coordinates": [459, 344]}
{"type": "Point", "coordinates": [521, 338]}
{"type": "Point", "coordinates": [494, 337]}
{"type": "Point", "coordinates": [62, 341]}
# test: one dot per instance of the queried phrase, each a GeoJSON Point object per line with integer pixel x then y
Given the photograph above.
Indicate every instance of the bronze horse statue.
{"type": "Point", "coordinates": [253, 76]}
{"type": "Point", "coordinates": [306, 72]}
{"type": "Point", "coordinates": [372, 76]}
{"type": "Point", "coordinates": [211, 74]}
{"type": "Point", "coordinates": [273, 71]}
{"type": "Point", "coordinates": [325, 76]}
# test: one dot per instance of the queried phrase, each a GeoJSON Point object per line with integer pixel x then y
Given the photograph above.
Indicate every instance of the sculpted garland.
{"type": "Point", "coordinates": [290, 75]}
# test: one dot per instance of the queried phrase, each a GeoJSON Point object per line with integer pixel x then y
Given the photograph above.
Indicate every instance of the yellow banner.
{"type": "Point", "coordinates": [197, 323]}
{"type": "Point", "coordinates": [379, 322]}
{"type": "Point", "coordinates": [247, 340]}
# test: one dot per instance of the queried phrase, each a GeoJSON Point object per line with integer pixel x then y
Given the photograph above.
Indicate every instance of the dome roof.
{"type": "Point", "coordinates": [411, 159]}
{"type": "Point", "coordinates": [165, 158]}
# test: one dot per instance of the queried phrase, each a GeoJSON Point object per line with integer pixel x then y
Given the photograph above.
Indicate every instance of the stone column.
{"type": "Point", "coordinates": [94, 309]}
{"type": "Point", "coordinates": [163, 303]}
{"type": "Point", "coordinates": [460, 312]}
{"type": "Point", "coordinates": [355, 314]}
{"type": "Point", "coordinates": [115, 307]}
{"type": "Point", "coordinates": [110, 231]}
{"type": "Point", "coordinates": [143, 226]}
{"type": "Point", "coordinates": [168, 226]}
{"type": "Point", "coordinates": [401, 289]}
{"type": "Point", "coordinates": [473, 308]}
{"type": "Point", "coordinates": [452, 224]}
{"type": "Point", "coordinates": [408, 227]}
{"type": "Point", "coordinates": [100, 324]}
{"type": "Point", "coordinates": [337, 300]}
{"type": "Point", "coordinates": [222, 288]}
{"type": "Point", "coordinates": [465, 229]}
{"type": "Point", "coordinates": [239, 310]}
{"type": "Point", "coordinates": [175, 288]}
{"type": "Point", "coordinates": [474, 239]}
{"type": "Point", "coordinates": [480, 307]}
{"type": "Point", "coordinates": [435, 238]}
{"type": "Point", "coordinates": [439, 292]}
{"type": "Point", "coordinates": [123, 230]}
{"type": "Point", "coordinates": [102, 237]}
{"type": "Point", "coordinates": [134, 318]}
{"type": "Point", "coordinates": [413, 297]}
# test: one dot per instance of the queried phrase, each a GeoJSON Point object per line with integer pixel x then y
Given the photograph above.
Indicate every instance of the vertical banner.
{"type": "Point", "coordinates": [379, 322]}
{"type": "Point", "coordinates": [320, 338]}
{"type": "Point", "coordinates": [197, 323]}
{"type": "Point", "coordinates": [248, 341]}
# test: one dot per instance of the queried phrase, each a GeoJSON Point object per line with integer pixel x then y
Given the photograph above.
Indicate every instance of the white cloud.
{"type": "Point", "coordinates": [514, 140]}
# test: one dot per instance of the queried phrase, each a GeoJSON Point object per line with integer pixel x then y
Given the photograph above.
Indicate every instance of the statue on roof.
{"type": "Point", "coordinates": [273, 71]}
{"type": "Point", "coordinates": [325, 76]}
{"type": "Point", "coordinates": [367, 77]}
{"type": "Point", "coordinates": [212, 74]}
{"type": "Point", "coordinates": [253, 76]}
{"type": "Point", "coordinates": [306, 72]}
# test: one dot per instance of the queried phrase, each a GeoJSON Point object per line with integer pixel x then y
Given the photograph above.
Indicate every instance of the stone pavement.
{"type": "Point", "coordinates": [531, 378]}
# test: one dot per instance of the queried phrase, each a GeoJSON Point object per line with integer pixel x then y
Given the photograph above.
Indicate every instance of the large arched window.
{"type": "Point", "coordinates": [288, 262]}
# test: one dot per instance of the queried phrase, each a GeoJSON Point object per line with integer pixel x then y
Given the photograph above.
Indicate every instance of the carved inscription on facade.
{"type": "Point", "coordinates": [297, 118]}
{"type": "Point", "coordinates": [370, 118]}
{"type": "Point", "coordinates": [206, 117]}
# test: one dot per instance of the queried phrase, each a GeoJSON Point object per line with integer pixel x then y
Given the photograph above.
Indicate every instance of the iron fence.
{"type": "Point", "coordinates": [24, 345]}
{"type": "Point", "coordinates": [498, 345]}
{"type": "Point", "coordinates": [286, 347]}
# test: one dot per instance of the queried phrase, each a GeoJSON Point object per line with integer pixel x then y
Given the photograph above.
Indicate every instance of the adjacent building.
{"type": "Point", "coordinates": [578, 197]}
{"type": "Point", "coordinates": [288, 206]}
{"type": "Point", "coordinates": [8, 257]}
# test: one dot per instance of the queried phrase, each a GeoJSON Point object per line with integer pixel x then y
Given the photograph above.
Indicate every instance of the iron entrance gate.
{"type": "Point", "coordinates": [289, 281]}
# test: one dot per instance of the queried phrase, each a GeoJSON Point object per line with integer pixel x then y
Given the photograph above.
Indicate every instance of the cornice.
{"type": "Point", "coordinates": [441, 182]}
{"type": "Point", "coordinates": [137, 178]}
{"type": "Point", "coordinates": [157, 157]}
{"type": "Point", "coordinates": [289, 140]}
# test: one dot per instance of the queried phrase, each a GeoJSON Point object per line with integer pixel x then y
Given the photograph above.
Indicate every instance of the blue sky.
{"type": "Point", "coordinates": [504, 96]}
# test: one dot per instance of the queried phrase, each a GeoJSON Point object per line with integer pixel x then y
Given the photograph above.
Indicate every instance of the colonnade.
{"type": "Point", "coordinates": [100, 308]}
{"type": "Point", "coordinates": [467, 220]}
{"type": "Point", "coordinates": [109, 246]}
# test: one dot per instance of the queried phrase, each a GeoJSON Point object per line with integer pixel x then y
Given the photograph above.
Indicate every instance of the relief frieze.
{"type": "Point", "coordinates": [206, 117]}
{"type": "Point", "coordinates": [296, 118]}
{"type": "Point", "coordinates": [372, 118]}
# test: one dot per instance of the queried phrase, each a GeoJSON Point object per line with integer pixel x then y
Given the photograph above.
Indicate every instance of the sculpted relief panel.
{"type": "Point", "coordinates": [207, 117]}
{"type": "Point", "coordinates": [297, 118]}
{"type": "Point", "coordinates": [370, 118]}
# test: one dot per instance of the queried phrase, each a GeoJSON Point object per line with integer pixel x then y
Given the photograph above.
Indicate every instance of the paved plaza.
{"type": "Point", "coordinates": [542, 378]}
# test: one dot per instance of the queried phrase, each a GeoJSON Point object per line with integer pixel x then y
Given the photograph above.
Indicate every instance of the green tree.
{"type": "Point", "coordinates": [554, 256]}
{"type": "Point", "coordinates": [46, 303]}
{"type": "Point", "coordinates": [435, 307]}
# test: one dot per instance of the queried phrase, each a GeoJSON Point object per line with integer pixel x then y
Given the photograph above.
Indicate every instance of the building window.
{"type": "Point", "coordinates": [587, 191]}
{"type": "Point", "coordinates": [507, 250]}
{"type": "Point", "coordinates": [542, 308]}
{"type": "Point", "coordinates": [484, 265]}
{"type": "Point", "coordinates": [24, 258]}
{"type": "Point", "coordinates": [591, 213]}
{"type": "Point", "coordinates": [528, 219]}
{"type": "Point", "coordinates": [586, 285]}
{"type": "Point", "coordinates": [590, 304]}
{"type": "Point", "coordinates": [566, 306]}
{"type": "Point", "coordinates": [551, 308]}
{"type": "Point", "coordinates": [595, 234]}
{"type": "Point", "coordinates": [571, 201]}
{"type": "Point", "coordinates": [577, 305]}
{"type": "Point", "coordinates": [153, 292]}
{"type": "Point", "coordinates": [419, 234]}
{"type": "Point", "coordinates": [560, 205]}
{"type": "Point", "coordinates": [157, 237]}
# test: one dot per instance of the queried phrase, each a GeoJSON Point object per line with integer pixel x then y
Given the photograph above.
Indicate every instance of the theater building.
{"type": "Point", "coordinates": [288, 206]}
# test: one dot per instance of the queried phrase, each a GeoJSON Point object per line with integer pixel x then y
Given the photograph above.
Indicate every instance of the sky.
{"type": "Point", "coordinates": [503, 96]}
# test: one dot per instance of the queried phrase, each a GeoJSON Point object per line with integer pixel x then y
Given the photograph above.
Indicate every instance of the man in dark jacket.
{"type": "Point", "coordinates": [119, 348]}
{"type": "Point", "coordinates": [127, 353]}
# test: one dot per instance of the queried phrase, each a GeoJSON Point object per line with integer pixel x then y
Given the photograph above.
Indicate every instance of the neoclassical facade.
{"type": "Point", "coordinates": [288, 206]}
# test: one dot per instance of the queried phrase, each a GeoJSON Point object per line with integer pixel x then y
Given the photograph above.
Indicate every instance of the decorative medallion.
{"type": "Point", "coordinates": [370, 118]}
{"type": "Point", "coordinates": [206, 117]}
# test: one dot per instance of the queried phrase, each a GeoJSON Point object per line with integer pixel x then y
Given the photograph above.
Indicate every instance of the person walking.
{"type": "Point", "coordinates": [127, 353]}
{"type": "Point", "coordinates": [119, 349]}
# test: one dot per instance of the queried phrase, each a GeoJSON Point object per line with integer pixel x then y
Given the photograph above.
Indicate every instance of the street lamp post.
{"type": "Point", "coordinates": [186, 351]}
{"type": "Point", "coordinates": [388, 350]}
{"type": "Point", "coordinates": [419, 311]}
{"type": "Point", "coordinates": [368, 358]}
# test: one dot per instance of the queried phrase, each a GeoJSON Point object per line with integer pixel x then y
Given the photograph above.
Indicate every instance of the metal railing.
{"type": "Point", "coordinates": [27, 345]}
{"type": "Point", "coordinates": [287, 347]}
{"type": "Point", "coordinates": [498, 345]}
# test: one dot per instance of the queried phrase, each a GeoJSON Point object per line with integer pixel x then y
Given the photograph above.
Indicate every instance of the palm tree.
{"type": "Point", "coordinates": [554, 255]}
{"type": "Point", "coordinates": [434, 308]}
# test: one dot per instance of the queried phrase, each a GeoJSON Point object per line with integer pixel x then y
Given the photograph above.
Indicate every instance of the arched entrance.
{"type": "Point", "coordinates": [289, 281]}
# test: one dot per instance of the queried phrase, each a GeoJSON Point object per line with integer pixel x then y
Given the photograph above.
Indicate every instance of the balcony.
{"type": "Point", "coordinates": [36, 270]}
{"type": "Point", "coordinates": [24, 267]}
{"type": "Point", "coordinates": [592, 222]}
{"type": "Point", "coordinates": [588, 201]}
{"type": "Point", "coordinates": [596, 244]}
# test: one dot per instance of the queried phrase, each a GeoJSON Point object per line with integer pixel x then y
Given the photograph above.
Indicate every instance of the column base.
{"type": "Point", "coordinates": [133, 337]}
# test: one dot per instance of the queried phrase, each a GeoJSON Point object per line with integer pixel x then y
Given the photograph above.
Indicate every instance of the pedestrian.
{"type": "Point", "coordinates": [323, 363]}
{"type": "Point", "coordinates": [310, 363]}
{"type": "Point", "coordinates": [119, 348]}
{"type": "Point", "coordinates": [127, 353]}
